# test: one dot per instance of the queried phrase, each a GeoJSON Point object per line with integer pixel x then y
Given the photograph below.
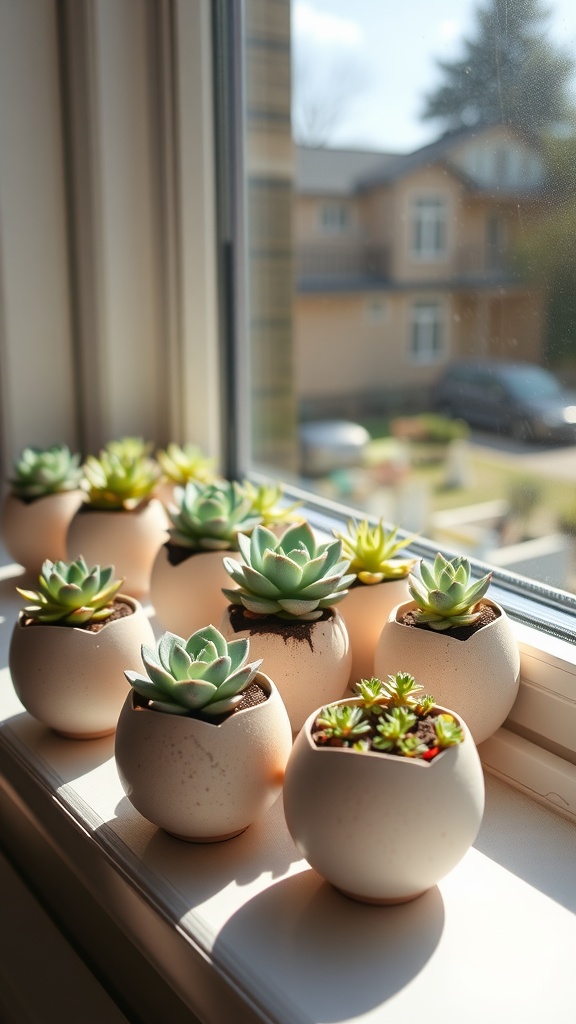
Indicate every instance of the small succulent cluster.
{"type": "Point", "coordinates": [372, 552]}
{"type": "Point", "coordinates": [204, 674]}
{"type": "Point", "coordinates": [266, 503]}
{"type": "Point", "coordinates": [209, 517]}
{"type": "Point", "coordinates": [445, 593]}
{"type": "Point", "coordinates": [180, 464]}
{"type": "Point", "coordinates": [129, 448]}
{"type": "Point", "coordinates": [392, 718]}
{"type": "Point", "coordinates": [120, 478]}
{"type": "Point", "coordinates": [38, 472]}
{"type": "Point", "coordinates": [71, 594]}
{"type": "Point", "coordinates": [292, 577]}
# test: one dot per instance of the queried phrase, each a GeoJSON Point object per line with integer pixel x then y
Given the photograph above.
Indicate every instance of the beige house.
{"type": "Point", "coordinates": [403, 264]}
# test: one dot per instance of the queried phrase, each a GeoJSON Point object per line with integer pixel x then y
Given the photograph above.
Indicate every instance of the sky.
{"type": "Point", "coordinates": [378, 58]}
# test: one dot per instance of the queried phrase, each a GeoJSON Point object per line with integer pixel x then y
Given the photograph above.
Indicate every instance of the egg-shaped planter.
{"type": "Point", "coordinates": [477, 677]}
{"type": "Point", "coordinates": [35, 530]}
{"type": "Point", "coordinates": [187, 592]}
{"type": "Point", "coordinates": [379, 827]}
{"type": "Point", "coordinates": [308, 661]}
{"type": "Point", "coordinates": [201, 781]}
{"type": "Point", "coordinates": [72, 679]}
{"type": "Point", "coordinates": [365, 609]}
{"type": "Point", "coordinates": [128, 540]}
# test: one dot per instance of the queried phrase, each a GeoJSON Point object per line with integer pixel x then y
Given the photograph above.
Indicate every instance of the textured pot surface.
{"type": "Point", "coordinates": [189, 595]}
{"type": "Point", "coordinates": [127, 540]}
{"type": "Point", "coordinates": [478, 677]}
{"type": "Point", "coordinates": [365, 609]}
{"type": "Point", "coordinates": [200, 781]}
{"type": "Point", "coordinates": [35, 530]}
{"type": "Point", "coordinates": [73, 680]}
{"type": "Point", "coordinates": [382, 829]}
{"type": "Point", "coordinates": [309, 670]}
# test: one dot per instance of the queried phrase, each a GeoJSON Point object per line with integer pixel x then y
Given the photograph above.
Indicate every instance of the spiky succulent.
{"type": "Point", "coordinates": [292, 577]}
{"type": "Point", "coordinates": [209, 517]}
{"type": "Point", "coordinates": [445, 593]}
{"type": "Point", "coordinates": [129, 448]}
{"type": "Point", "coordinates": [71, 594]}
{"type": "Point", "coordinates": [372, 551]}
{"type": "Point", "coordinates": [41, 471]}
{"type": "Point", "coordinates": [266, 503]}
{"type": "Point", "coordinates": [181, 464]}
{"type": "Point", "coordinates": [389, 718]}
{"type": "Point", "coordinates": [117, 481]}
{"type": "Point", "coordinates": [204, 673]}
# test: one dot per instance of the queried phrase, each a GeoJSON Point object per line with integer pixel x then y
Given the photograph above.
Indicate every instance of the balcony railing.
{"type": "Point", "coordinates": [342, 262]}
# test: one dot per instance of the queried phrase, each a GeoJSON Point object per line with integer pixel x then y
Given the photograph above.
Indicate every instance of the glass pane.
{"type": "Point", "coordinates": [412, 204]}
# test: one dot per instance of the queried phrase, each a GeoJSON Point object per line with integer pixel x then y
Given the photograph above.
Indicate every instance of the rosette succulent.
{"type": "Point", "coordinates": [292, 577]}
{"type": "Point", "coordinates": [209, 517]}
{"type": "Point", "coordinates": [205, 673]}
{"type": "Point", "coordinates": [181, 464]}
{"type": "Point", "coordinates": [71, 594]}
{"type": "Point", "coordinates": [129, 448]}
{"type": "Point", "coordinates": [41, 471]}
{"type": "Point", "coordinates": [372, 552]}
{"type": "Point", "coordinates": [116, 480]}
{"type": "Point", "coordinates": [445, 593]}
{"type": "Point", "coordinates": [266, 503]}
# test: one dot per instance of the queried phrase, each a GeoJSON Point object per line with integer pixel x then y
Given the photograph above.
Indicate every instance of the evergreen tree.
{"type": "Point", "coordinates": [509, 72]}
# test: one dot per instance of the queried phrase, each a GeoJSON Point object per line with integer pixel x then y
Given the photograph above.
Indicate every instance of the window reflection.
{"type": "Point", "coordinates": [427, 206]}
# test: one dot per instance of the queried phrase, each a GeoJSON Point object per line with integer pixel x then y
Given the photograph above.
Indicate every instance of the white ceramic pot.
{"type": "Point", "coordinates": [128, 540]}
{"type": "Point", "coordinates": [382, 828]}
{"type": "Point", "coordinates": [310, 665]}
{"type": "Point", "coordinates": [189, 595]}
{"type": "Point", "coordinates": [200, 781]}
{"type": "Point", "coordinates": [73, 680]}
{"type": "Point", "coordinates": [478, 677]}
{"type": "Point", "coordinates": [35, 530]}
{"type": "Point", "coordinates": [365, 609]}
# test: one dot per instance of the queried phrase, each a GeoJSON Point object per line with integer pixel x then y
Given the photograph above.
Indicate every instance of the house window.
{"type": "Point", "coordinates": [495, 242]}
{"type": "Point", "coordinates": [427, 332]}
{"type": "Point", "coordinates": [334, 218]}
{"type": "Point", "coordinates": [429, 228]}
{"type": "Point", "coordinates": [375, 311]}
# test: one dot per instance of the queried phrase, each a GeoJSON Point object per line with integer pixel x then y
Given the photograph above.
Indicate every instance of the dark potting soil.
{"type": "Point", "coordinates": [291, 630]}
{"type": "Point", "coordinates": [487, 615]}
{"type": "Point", "coordinates": [177, 553]}
{"type": "Point", "coordinates": [119, 611]}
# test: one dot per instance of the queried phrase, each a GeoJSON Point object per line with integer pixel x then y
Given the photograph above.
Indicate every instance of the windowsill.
{"type": "Point", "coordinates": [246, 931]}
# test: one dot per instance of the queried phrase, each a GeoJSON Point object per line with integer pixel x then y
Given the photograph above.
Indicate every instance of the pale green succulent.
{"type": "Point", "coordinates": [205, 673]}
{"type": "Point", "coordinates": [71, 594]}
{"type": "Point", "coordinates": [41, 471]}
{"type": "Point", "coordinates": [292, 577]}
{"type": "Point", "coordinates": [181, 464]}
{"type": "Point", "coordinates": [399, 690]}
{"type": "Point", "coordinates": [129, 448]}
{"type": "Point", "coordinates": [445, 594]}
{"type": "Point", "coordinates": [209, 517]}
{"type": "Point", "coordinates": [266, 503]}
{"type": "Point", "coordinates": [115, 481]}
{"type": "Point", "coordinates": [372, 551]}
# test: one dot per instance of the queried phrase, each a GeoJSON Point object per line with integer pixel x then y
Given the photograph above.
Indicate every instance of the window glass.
{"type": "Point", "coordinates": [410, 251]}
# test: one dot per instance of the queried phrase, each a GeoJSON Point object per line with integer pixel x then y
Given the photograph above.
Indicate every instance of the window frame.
{"type": "Point", "coordinates": [426, 227]}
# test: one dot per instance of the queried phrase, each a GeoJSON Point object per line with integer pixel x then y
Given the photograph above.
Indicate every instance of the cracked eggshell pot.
{"type": "Point", "coordinates": [200, 781]}
{"type": "Point", "coordinates": [477, 677]}
{"type": "Point", "coordinates": [382, 828]}
{"type": "Point", "coordinates": [188, 595]}
{"type": "Point", "coordinates": [35, 530]}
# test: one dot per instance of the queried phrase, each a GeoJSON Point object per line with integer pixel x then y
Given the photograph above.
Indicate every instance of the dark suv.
{"type": "Point", "coordinates": [520, 399]}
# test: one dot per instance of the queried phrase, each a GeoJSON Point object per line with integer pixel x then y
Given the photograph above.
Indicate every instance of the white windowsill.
{"type": "Point", "coordinates": [246, 931]}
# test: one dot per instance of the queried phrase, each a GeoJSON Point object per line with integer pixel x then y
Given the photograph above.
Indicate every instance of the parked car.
{"type": "Point", "coordinates": [328, 445]}
{"type": "Point", "coordinates": [520, 399]}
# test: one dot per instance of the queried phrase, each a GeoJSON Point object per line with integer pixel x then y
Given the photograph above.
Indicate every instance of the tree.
{"type": "Point", "coordinates": [509, 72]}
{"type": "Point", "coordinates": [323, 93]}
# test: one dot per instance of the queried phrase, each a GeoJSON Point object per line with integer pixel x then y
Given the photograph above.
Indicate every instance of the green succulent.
{"type": "Point", "coordinates": [117, 481]}
{"type": "Point", "coordinates": [445, 593]}
{"type": "Point", "coordinates": [292, 577]}
{"type": "Point", "coordinates": [129, 448]}
{"type": "Point", "coordinates": [343, 722]}
{"type": "Point", "coordinates": [204, 674]}
{"type": "Point", "coordinates": [41, 471]}
{"type": "Point", "coordinates": [71, 594]}
{"type": "Point", "coordinates": [209, 517]}
{"type": "Point", "coordinates": [266, 500]}
{"type": "Point", "coordinates": [399, 690]}
{"type": "Point", "coordinates": [181, 464]}
{"type": "Point", "coordinates": [372, 551]}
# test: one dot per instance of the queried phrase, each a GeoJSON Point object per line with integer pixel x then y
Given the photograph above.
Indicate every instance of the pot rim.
{"type": "Point", "coordinates": [417, 762]}
{"type": "Point", "coordinates": [126, 598]}
{"type": "Point", "coordinates": [407, 606]}
{"type": "Point", "coordinates": [265, 681]}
